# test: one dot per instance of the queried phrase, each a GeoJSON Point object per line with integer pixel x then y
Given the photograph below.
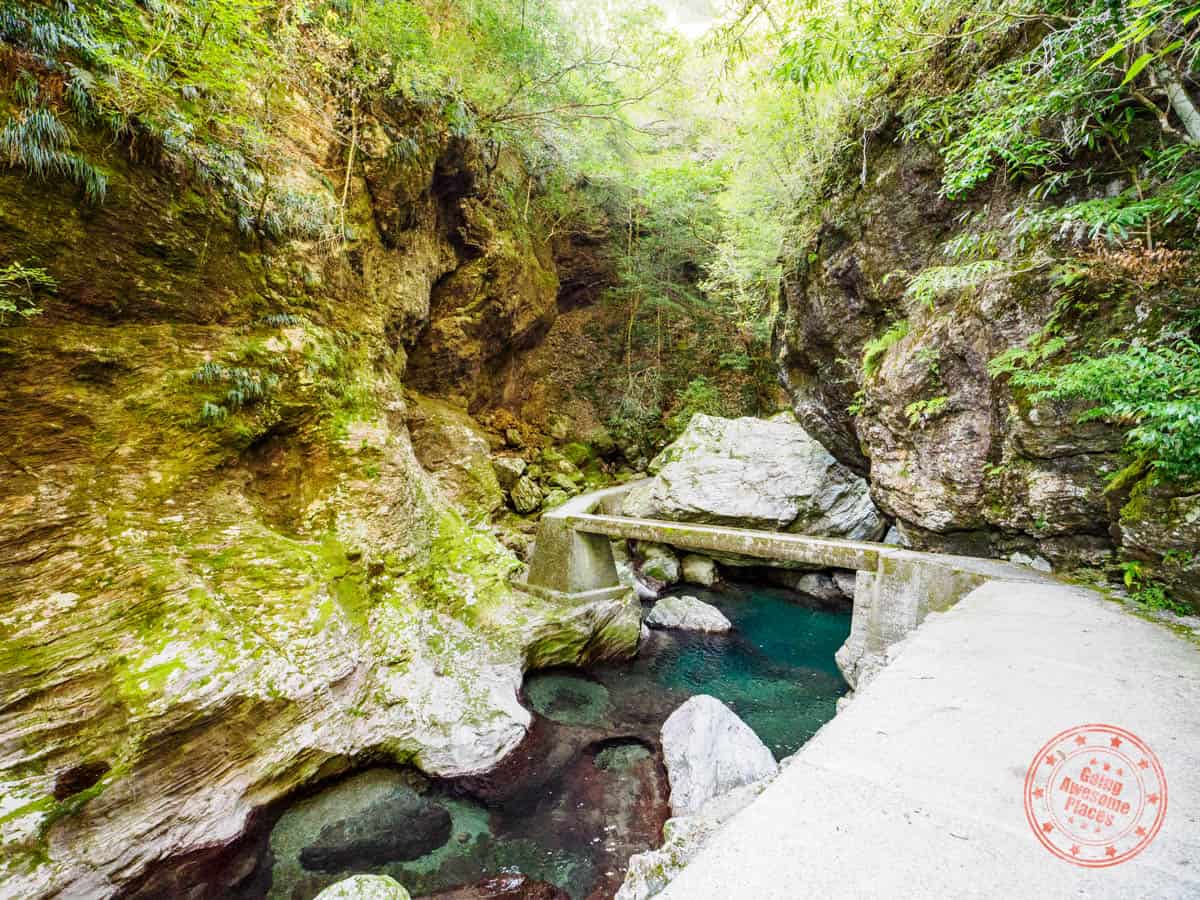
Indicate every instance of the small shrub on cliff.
{"type": "Point", "coordinates": [19, 287]}
{"type": "Point", "coordinates": [1154, 391]}
{"type": "Point", "coordinates": [244, 387]}
{"type": "Point", "coordinates": [876, 348]}
{"type": "Point", "coordinates": [700, 396]}
{"type": "Point", "coordinates": [1148, 592]}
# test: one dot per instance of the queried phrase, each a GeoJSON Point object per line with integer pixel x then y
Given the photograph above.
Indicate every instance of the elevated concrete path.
{"type": "Point", "coordinates": [915, 790]}
{"type": "Point", "coordinates": [894, 589]}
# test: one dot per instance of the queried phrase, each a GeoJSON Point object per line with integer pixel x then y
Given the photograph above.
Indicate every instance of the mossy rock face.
{"type": "Point", "coordinates": [579, 454]}
{"type": "Point", "coordinates": [205, 611]}
{"type": "Point", "coordinates": [451, 446]}
{"type": "Point", "coordinates": [1160, 527]}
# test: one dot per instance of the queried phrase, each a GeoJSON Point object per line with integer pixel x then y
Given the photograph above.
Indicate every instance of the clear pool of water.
{"type": "Point", "coordinates": [587, 789]}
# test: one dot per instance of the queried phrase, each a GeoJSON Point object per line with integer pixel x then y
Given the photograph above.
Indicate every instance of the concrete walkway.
{"type": "Point", "coordinates": [916, 788]}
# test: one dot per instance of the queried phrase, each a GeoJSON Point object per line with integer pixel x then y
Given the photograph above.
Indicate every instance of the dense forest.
{"type": "Point", "coordinates": [281, 279]}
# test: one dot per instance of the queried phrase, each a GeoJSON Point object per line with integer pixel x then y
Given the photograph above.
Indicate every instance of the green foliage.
{"type": "Point", "coordinates": [700, 396]}
{"type": "Point", "coordinates": [735, 361]}
{"type": "Point", "coordinates": [1008, 119]}
{"type": "Point", "coordinates": [1148, 592]}
{"type": "Point", "coordinates": [921, 412]}
{"type": "Point", "coordinates": [937, 281]}
{"type": "Point", "coordinates": [36, 140]}
{"type": "Point", "coordinates": [1079, 90]}
{"type": "Point", "coordinates": [1153, 391]}
{"type": "Point", "coordinates": [637, 419]}
{"type": "Point", "coordinates": [19, 287]}
{"type": "Point", "coordinates": [876, 348]}
{"type": "Point", "coordinates": [244, 387]}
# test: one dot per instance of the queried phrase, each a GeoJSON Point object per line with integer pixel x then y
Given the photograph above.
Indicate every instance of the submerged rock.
{"type": "Point", "coordinates": [510, 886]}
{"type": "Point", "coordinates": [709, 751]}
{"type": "Point", "coordinates": [365, 887]}
{"type": "Point", "coordinates": [687, 613]}
{"type": "Point", "coordinates": [568, 698]}
{"type": "Point", "coordinates": [699, 570]}
{"type": "Point", "coordinates": [400, 824]}
{"type": "Point", "coordinates": [755, 473]}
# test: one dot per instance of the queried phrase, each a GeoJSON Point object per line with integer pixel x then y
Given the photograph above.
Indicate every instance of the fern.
{"type": "Point", "coordinates": [38, 142]}
{"type": "Point", "coordinates": [19, 286]}
{"type": "Point", "coordinates": [875, 349]}
{"type": "Point", "coordinates": [1153, 392]}
{"type": "Point", "coordinates": [921, 412]}
{"type": "Point", "coordinates": [245, 387]}
{"type": "Point", "coordinates": [935, 281]}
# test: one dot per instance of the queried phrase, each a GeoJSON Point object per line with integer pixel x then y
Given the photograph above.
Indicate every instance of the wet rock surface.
{"type": "Point", "coordinates": [399, 824]}
{"type": "Point", "coordinates": [504, 887]}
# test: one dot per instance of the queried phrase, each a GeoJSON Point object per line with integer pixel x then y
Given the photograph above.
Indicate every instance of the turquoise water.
{"type": "Point", "coordinates": [587, 789]}
{"type": "Point", "coordinates": [775, 669]}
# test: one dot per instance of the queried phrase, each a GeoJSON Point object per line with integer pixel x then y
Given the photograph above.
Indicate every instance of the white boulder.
{"type": "Point", "coordinates": [688, 614]}
{"type": "Point", "coordinates": [755, 473]}
{"type": "Point", "coordinates": [708, 752]}
{"type": "Point", "coordinates": [365, 887]}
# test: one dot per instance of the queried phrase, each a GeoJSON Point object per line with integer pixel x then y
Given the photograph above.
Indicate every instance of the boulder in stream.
{"type": "Point", "coordinates": [755, 473]}
{"type": "Point", "coordinates": [687, 613]}
{"type": "Point", "coordinates": [365, 887]}
{"type": "Point", "coordinates": [699, 570]}
{"type": "Point", "coordinates": [708, 752]}
{"type": "Point", "coordinates": [383, 820]}
{"type": "Point", "coordinates": [510, 886]}
{"type": "Point", "coordinates": [659, 563]}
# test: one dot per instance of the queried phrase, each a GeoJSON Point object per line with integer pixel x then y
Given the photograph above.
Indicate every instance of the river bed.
{"type": "Point", "coordinates": [587, 788]}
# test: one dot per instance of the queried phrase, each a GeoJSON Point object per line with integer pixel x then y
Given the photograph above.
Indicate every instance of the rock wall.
{"type": "Point", "coordinates": [224, 573]}
{"type": "Point", "coordinates": [962, 460]}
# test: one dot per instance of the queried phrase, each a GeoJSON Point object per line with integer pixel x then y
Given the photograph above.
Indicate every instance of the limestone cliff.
{"type": "Point", "coordinates": [223, 571]}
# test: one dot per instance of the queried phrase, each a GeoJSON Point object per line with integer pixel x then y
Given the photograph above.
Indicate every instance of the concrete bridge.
{"type": "Point", "coordinates": [895, 588]}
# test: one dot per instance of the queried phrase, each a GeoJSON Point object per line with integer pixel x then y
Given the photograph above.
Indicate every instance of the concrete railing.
{"type": "Point", "coordinates": [894, 591]}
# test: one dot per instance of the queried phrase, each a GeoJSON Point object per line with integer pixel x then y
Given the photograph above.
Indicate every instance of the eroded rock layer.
{"type": "Point", "coordinates": [224, 572]}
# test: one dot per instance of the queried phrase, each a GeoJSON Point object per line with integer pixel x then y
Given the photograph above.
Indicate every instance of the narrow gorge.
{"type": "Point", "coordinates": [330, 330]}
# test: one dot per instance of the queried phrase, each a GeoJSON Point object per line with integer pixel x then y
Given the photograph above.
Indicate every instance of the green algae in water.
{"type": "Point", "coordinates": [622, 757]}
{"type": "Point", "coordinates": [567, 698]}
